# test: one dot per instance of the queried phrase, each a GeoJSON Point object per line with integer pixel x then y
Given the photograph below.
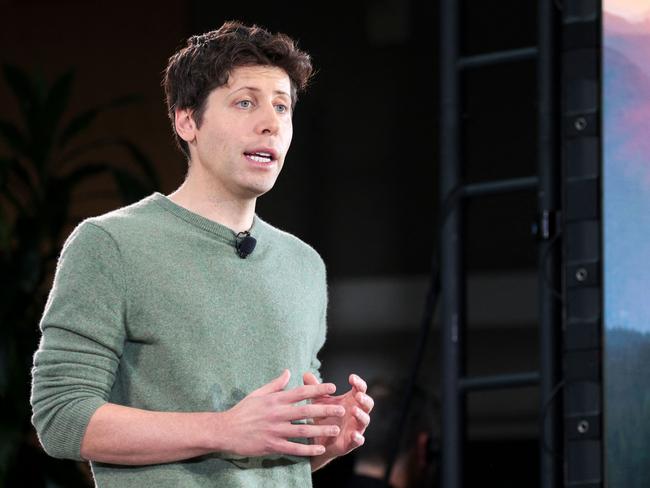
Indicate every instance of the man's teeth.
{"type": "Point", "coordinates": [260, 157]}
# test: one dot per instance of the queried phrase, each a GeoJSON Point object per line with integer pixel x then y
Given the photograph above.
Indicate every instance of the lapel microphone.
{"type": "Point", "coordinates": [244, 244]}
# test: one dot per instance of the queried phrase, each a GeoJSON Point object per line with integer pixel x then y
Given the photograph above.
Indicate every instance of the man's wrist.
{"type": "Point", "coordinates": [214, 433]}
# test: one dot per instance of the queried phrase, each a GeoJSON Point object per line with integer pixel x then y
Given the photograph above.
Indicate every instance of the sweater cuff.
{"type": "Point", "coordinates": [67, 432]}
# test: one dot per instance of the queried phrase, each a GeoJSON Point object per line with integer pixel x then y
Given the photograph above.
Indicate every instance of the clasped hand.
{"type": "Point", "coordinates": [262, 423]}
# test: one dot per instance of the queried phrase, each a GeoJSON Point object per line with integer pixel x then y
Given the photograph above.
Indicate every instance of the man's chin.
{"type": "Point", "coordinates": [256, 191]}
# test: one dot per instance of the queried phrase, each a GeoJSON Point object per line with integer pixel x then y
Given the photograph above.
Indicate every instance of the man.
{"type": "Point", "coordinates": [172, 342]}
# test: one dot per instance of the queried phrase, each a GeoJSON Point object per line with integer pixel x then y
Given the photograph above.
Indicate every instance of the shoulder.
{"type": "Point", "coordinates": [127, 217]}
{"type": "Point", "coordinates": [102, 234]}
{"type": "Point", "coordinates": [114, 225]}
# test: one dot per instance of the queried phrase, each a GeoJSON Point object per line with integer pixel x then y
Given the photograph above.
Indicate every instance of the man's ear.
{"type": "Point", "coordinates": [185, 125]}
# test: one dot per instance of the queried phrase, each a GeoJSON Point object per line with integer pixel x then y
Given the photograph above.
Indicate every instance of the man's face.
{"type": "Point", "coordinates": [245, 132]}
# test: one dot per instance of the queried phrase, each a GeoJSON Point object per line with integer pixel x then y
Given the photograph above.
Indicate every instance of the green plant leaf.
{"type": "Point", "coordinates": [29, 269]}
{"type": "Point", "coordinates": [30, 94]}
{"type": "Point", "coordinates": [47, 115]}
{"type": "Point", "coordinates": [14, 138]}
{"type": "Point", "coordinates": [72, 179]}
{"type": "Point", "coordinates": [142, 161]}
{"type": "Point", "coordinates": [5, 231]}
{"type": "Point", "coordinates": [52, 112]}
{"type": "Point", "coordinates": [85, 119]}
{"type": "Point", "coordinates": [23, 88]}
{"type": "Point", "coordinates": [6, 166]}
{"type": "Point", "coordinates": [131, 188]}
{"type": "Point", "coordinates": [59, 191]}
{"type": "Point", "coordinates": [23, 175]}
{"type": "Point", "coordinates": [11, 198]}
{"type": "Point", "coordinates": [138, 156]}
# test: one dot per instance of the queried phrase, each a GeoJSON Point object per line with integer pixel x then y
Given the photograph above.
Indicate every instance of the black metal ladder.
{"type": "Point", "coordinates": [455, 385]}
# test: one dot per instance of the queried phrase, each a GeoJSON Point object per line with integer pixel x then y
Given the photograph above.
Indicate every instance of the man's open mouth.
{"type": "Point", "coordinates": [260, 157]}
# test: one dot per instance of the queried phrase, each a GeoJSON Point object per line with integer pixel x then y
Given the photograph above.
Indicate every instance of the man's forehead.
{"type": "Point", "coordinates": [257, 76]}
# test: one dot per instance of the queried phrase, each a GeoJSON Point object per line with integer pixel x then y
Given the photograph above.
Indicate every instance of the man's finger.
{"type": "Point", "coordinates": [310, 431]}
{"type": "Point", "coordinates": [365, 401]}
{"type": "Point", "coordinates": [312, 411]}
{"type": "Point", "coordinates": [356, 439]}
{"type": "Point", "coordinates": [362, 417]}
{"type": "Point", "coordinates": [278, 384]}
{"type": "Point", "coordinates": [307, 392]}
{"type": "Point", "coordinates": [310, 379]}
{"type": "Point", "coordinates": [297, 449]}
{"type": "Point", "coordinates": [358, 383]}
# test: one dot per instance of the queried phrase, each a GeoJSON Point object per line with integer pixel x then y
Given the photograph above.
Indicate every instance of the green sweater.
{"type": "Point", "coordinates": [152, 308]}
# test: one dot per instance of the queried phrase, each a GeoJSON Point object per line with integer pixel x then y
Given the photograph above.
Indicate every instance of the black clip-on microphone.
{"type": "Point", "coordinates": [244, 244]}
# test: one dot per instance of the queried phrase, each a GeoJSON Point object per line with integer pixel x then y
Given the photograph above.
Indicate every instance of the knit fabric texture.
{"type": "Point", "coordinates": [152, 308]}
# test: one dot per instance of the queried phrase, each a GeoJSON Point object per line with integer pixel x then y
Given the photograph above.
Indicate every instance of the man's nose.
{"type": "Point", "coordinates": [268, 122]}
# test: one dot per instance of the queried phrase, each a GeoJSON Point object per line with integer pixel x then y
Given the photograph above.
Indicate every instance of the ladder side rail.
{"type": "Point", "coordinates": [550, 320]}
{"type": "Point", "coordinates": [451, 239]}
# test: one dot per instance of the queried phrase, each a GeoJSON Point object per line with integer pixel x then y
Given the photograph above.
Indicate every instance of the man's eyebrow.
{"type": "Point", "coordinates": [255, 89]}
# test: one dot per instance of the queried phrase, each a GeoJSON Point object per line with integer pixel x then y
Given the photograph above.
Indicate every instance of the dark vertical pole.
{"type": "Point", "coordinates": [451, 262]}
{"type": "Point", "coordinates": [549, 254]}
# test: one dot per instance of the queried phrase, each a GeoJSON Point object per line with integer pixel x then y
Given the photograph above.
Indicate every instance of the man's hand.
{"type": "Point", "coordinates": [260, 424]}
{"type": "Point", "coordinates": [357, 405]}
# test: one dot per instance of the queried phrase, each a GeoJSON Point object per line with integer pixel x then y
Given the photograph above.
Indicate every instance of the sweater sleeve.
{"type": "Point", "coordinates": [83, 332]}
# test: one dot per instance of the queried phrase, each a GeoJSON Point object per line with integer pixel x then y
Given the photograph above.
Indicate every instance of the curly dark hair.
{"type": "Point", "coordinates": [207, 60]}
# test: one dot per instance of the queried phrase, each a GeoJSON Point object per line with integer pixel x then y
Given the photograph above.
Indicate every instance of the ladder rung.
{"type": "Point", "coordinates": [499, 381]}
{"type": "Point", "coordinates": [595, 483]}
{"type": "Point", "coordinates": [498, 57]}
{"type": "Point", "coordinates": [500, 186]}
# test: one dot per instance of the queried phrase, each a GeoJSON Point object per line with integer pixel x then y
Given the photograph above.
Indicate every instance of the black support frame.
{"type": "Point", "coordinates": [451, 256]}
{"type": "Point", "coordinates": [581, 142]}
{"type": "Point", "coordinates": [454, 384]}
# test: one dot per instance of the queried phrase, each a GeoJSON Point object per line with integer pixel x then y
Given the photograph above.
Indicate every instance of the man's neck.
{"type": "Point", "coordinates": [198, 197]}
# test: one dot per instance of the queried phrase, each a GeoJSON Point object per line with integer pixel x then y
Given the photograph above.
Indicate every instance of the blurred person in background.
{"type": "Point", "coordinates": [417, 460]}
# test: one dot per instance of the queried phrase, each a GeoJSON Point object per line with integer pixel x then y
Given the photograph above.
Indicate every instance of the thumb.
{"type": "Point", "coordinates": [310, 379]}
{"type": "Point", "coordinates": [278, 384]}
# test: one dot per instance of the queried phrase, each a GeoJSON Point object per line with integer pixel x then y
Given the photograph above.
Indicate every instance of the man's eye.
{"type": "Point", "coordinates": [281, 108]}
{"type": "Point", "coordinates": [245, 103]}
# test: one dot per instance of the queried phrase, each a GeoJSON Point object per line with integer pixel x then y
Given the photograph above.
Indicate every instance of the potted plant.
{"type": "Point", "coordinates": [41, 165]}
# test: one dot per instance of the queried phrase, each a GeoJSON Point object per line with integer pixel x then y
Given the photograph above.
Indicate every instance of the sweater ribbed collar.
{"type": "Point", "coordinates": [220, 230]}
